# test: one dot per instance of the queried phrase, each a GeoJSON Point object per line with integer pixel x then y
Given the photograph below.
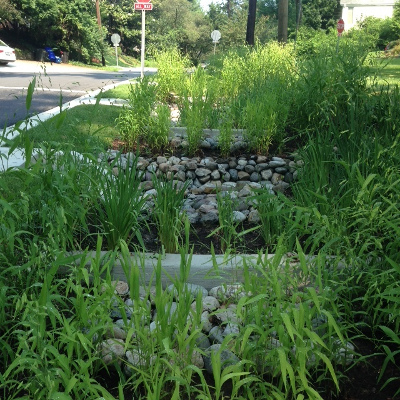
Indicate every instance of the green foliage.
{"type": "Point", "coordinates": [383, 30]}
{"type": "Point", "coordinates": [272, 210]}
{"type": "Point", "coordinates": [179, 24]}
{"type": "Point", "coordinates": [133, 121]}
{"type": "Point", "coordinates": [197, 107]}
{"type": "Point", "coordinates": [228, 223]}
{"type": "Point", "coordinates": [121, 201]}
{"type": "Point", "coordinates": [171, 72]}
{"type": "Point", "coordinates": [167, 213]}
{"type": "Point", "coordinates": [328, 81]}
{"type": "Point", "coordinates": [225, 137]}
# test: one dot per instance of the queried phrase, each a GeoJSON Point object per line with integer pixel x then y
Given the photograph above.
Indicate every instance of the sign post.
{"type": "Point", "coordinates": [143, 5]}
{"type": "Point", "coordinates": [340, 29]}
{"type": "Point", "coordinates": [115, 38]}
{"type": "Point", "coordinates": [215, 36]}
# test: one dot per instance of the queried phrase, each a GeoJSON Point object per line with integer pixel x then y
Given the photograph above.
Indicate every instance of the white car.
{"type": "Point", "coordinates": [7, 54]}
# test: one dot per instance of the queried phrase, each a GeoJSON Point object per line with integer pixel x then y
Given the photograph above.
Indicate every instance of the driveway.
{"type": "Point", "coordinates": [55, 84]}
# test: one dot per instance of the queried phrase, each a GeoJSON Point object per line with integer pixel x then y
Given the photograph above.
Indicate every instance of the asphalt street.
{"type": "Point", "coordinates": [55, 84]}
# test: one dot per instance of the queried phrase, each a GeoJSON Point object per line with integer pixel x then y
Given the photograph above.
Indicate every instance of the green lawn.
{"type": "Point", "coordinates": [120, 92]}
{"type": "Point", "coordinates": [388, 70]}
{"type": "Point", "coordinates": [85, 128]}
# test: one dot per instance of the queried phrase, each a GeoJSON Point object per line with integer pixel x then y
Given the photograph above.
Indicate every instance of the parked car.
{"type": "Point", "coordinates": [7, 54]}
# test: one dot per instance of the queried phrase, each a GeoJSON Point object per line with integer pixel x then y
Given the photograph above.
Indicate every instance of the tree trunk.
{"type": "Point", "coordinates": [251, 22]}
{"type": "Point", "coordinates": [283, 8]}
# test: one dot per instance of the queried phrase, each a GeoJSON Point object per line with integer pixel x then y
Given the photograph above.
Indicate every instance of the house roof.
{"type": "Point", "coordinates": [367, 2]}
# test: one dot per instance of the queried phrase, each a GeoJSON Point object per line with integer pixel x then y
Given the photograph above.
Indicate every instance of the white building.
{"type": "Point", "coordinates": [356, 10]}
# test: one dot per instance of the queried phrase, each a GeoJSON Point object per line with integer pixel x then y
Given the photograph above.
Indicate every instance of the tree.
{"type": "Point", "coordinates": [396, 11]}
{"type": "Point", "coordinates": [316, 14]}
{"type": "Point", "coordinates": [9, 15]}
{"type": "Point", "coordinates": [181, 24]}
{"type": "Point", "coordinates": [251, 22]}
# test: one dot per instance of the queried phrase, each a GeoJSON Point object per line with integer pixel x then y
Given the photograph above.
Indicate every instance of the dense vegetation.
{"type": "Point", "coordinates": [73, 26]}
{"type": "Point", "coordinates": [344, 211]}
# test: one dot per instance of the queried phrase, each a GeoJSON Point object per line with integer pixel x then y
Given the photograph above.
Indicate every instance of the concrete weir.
{"type": "Point", "coordinates": [205, 270]}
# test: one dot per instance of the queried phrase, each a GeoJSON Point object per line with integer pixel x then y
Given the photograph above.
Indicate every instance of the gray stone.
{"type": "Point", "coordinates": [232, 163]}
{"type": "Point", "coordinates": [231, 329]}
{"type": "Point", "coordinates": [180, 176]}
{"type": "Point", "coordinates": [193, 217]}
{"type": "Point", "coordinates": [227, 357]}
{"type": "Point", "coordinates": [161, 160]}
{"type": "Point", "coordinates": [205, 321]}
{"type": "Point", "coordinates": [233, 174]}
{"type": "Point", "coordinates": [174, 160]}
{"type": "Point", "coordinates": [210, 217]}
{"type": "Point", "coordinates": [262, 167]}
{"type": "Point", "coordinates": [254, 177]}
{"type": "Point", "coordinates": [121, 288]}
{"type": "Point", "coordinates": [238, 216]}
{"type": "Point", "coordinates": [216, 334]}
{"type": "Point", "coordinates": [276, 178]}
{"type": "Point", "coordinates": [191, 165]}
{"type": "Point", "coordinates": [288, 177]}
{"type": "Point", "coordinates": [202, 172]}
{"type": "Point", "coordinates": [261, 159]}
{"type": "Point", "coordinates": [202, 341]}
{"type": "Point", "coordinates": [227, 292]}
{"type": "Point", "coordinates": [190, 175]}
{"type": "Point", "coordinates": [266, 174]}
{"type": "Point", "coordinates": [281, 187]}
{"type": "Point", "coordinates": [254, 216]}
{"type": "Point", "coordinates": [215, 175]}
{"type": "Point", "coordinates": [249, 168]}
{"type": "Point", "coordinates": [191, 288]}
{"type": "Point", "coordinates": [112, 350]}
{"type": "Point", "coordinates": [204, 179]}
{"type": "Point", "coordinates": [281, 170]}
{"type": "Point", "coordinates": [243, 176]}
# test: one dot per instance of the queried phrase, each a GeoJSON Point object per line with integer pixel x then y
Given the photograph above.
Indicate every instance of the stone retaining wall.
{"type": "Point", "coordinates": [238, 176]}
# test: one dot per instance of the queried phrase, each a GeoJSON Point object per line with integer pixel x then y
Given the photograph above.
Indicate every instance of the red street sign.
{"type": "Point", "coordinates": [143, 1]}
{"type": "Point", "coordinates": [143, 6]}
{"type": "Point", "coordinates": [340, 26]}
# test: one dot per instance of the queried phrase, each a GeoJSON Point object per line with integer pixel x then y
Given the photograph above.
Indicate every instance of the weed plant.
{"type": "Point", "coordinates": [196, 103]}
{"type": "Point", "coordinates": [228, 231]}
{"type": "Point", "coordinates": [171, 73]}
{"type": "Point", "coordinates": [167, 213]}
{"type": "Point", "coordinates": [225, 137]}
{"type": "Point", "coordinates": [121, 203]}
{"type": "Point", "coordinates": [133, 121]}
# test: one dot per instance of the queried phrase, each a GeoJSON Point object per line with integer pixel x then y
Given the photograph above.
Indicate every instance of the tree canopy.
{"type": "Point", "coordinates": [72, 25]}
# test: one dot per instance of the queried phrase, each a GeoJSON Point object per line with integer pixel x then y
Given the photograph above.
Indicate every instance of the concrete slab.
{"type": "Point", "coordinates": [205, 270]}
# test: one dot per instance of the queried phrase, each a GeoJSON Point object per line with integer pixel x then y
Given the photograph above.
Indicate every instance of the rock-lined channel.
{"type": "Point", "coordinates": [237, 175]}
{"type": "Point", "coordinates": [219, 318]}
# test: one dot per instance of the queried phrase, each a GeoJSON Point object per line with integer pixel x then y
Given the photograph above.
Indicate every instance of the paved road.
{"type": "Point", "coordinates": [52, 81]}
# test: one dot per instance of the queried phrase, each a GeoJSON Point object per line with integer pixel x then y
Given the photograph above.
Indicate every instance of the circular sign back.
{"type": "Point", "coordinates": [115, 38]}
{"type": "Point", "coordinates": [215, 35]}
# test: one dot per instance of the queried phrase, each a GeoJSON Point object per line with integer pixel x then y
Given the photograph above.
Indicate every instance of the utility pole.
{"type": "Point", "coordinates": [103, 61]}
{"type": "Point", "coordinates": [283, 8]}
{"type": "Point", "coordinates": [251, 22]}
